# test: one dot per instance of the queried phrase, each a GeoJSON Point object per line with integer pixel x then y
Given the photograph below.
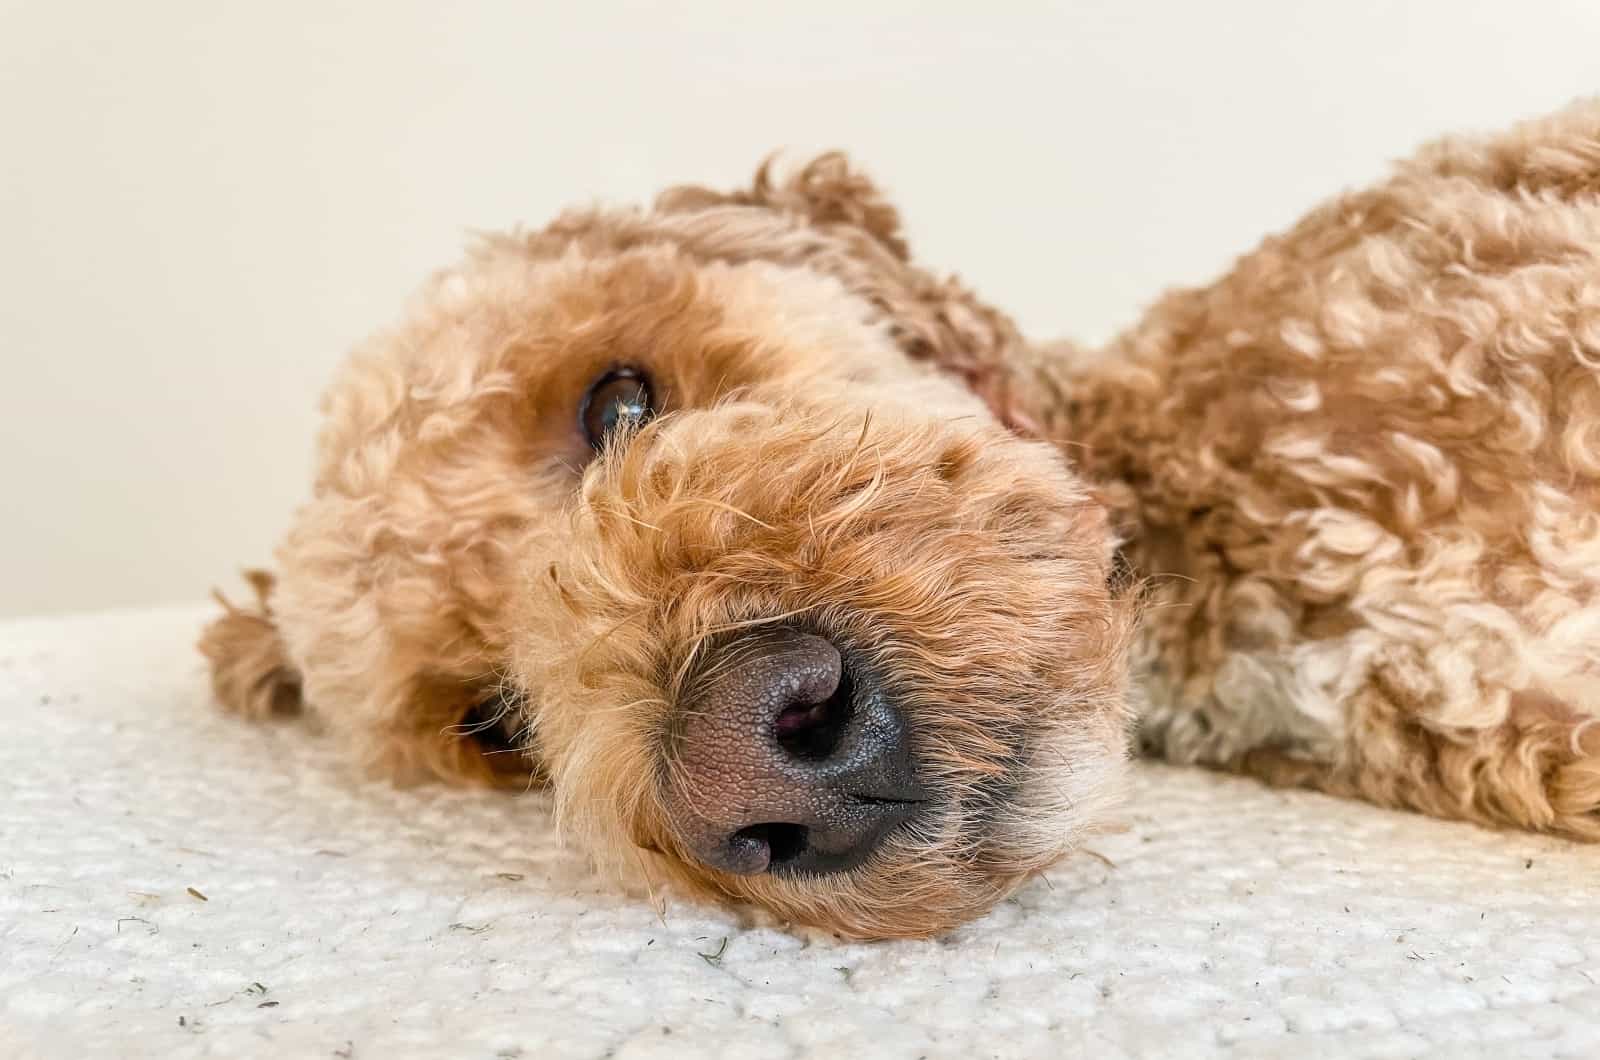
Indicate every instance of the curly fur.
{"type": "Point", "coordinates": [464, 542]}
{"type": "Point", "coordinates": [1358, 477]}
{"type": "Point", "coordinates": [251, 674]}
{"type": "Point", "coordinates": [1363, 469]}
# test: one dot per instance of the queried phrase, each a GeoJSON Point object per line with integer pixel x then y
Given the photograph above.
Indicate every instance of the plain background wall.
{"type": "Point", "coordinates": [203, 204]}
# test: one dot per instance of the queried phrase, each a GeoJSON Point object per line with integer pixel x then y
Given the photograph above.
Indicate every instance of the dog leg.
{"type": "Point", "coordinates": [1539, 769]}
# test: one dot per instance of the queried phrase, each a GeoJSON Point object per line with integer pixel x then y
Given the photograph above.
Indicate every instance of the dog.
{"type": "Point", "coordinates": [802, 578]}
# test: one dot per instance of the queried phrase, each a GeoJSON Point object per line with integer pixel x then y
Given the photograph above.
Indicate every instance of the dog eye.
{"type": "Point", "coordinates": [620, 396]}
{"type": "Point", "coordinates": [495, 722]}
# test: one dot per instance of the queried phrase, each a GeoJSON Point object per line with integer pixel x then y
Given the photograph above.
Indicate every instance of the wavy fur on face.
{"type": "Point", "coordinates": [966, 572]}
{"type": "Point", "coordinates": [474, 594]}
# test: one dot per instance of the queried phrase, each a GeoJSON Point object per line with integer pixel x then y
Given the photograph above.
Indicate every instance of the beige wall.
{"type": "Point", "coordinates": [203, 204]}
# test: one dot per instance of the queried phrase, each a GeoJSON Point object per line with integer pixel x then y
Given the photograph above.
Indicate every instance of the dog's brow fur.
{"type": "Point", "coordinates": [1356, 482]}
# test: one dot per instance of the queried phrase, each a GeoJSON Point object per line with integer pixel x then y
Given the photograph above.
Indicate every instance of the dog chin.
{"type": "Point", "coordinates": [1071, 787]}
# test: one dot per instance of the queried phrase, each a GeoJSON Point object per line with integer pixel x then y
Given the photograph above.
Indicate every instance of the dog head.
{"type": "Point", "coordinates": [714, 515]}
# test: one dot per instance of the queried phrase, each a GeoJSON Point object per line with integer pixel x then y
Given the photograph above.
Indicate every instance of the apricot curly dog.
{"type": "Point", "coordinates": [795, 567]}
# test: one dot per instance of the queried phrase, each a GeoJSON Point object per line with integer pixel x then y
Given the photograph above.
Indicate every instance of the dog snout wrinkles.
{"type": "Point", "coordinates": [788, 760]}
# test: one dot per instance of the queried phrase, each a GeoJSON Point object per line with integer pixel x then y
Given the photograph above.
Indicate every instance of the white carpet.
{"type": "Point", "coordinates": [343, 918]}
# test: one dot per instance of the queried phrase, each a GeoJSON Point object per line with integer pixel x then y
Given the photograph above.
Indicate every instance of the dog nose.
{"type": "Point", "coordinates": [786, 761]}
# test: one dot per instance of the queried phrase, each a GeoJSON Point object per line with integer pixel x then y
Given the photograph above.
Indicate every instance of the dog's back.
{"type": "Point", "coordinates": [1363, 472]}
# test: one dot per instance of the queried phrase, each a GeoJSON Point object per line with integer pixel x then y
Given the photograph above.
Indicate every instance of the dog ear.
{"type": "Point", "coordinates": [250, 669]}
{"type": "Point", "coordinates": [830, 217]}
{"type": "Point", "coordinates": [826, 193]}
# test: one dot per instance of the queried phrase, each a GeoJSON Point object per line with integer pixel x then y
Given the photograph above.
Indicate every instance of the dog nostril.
{"type": "Point", "coordinates": [781, 843]}
{"type": "Point", "coordinates": [811, 731]}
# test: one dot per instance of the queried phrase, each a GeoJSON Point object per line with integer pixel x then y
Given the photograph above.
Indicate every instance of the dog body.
{"type": "Point", "coordinates": [750, 537]}
{"type": "Point", "coordinates": [1363, 471]}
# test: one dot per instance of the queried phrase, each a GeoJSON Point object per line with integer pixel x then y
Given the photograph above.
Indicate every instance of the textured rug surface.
{"type": "Point", "coordinates": [177, 884]}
